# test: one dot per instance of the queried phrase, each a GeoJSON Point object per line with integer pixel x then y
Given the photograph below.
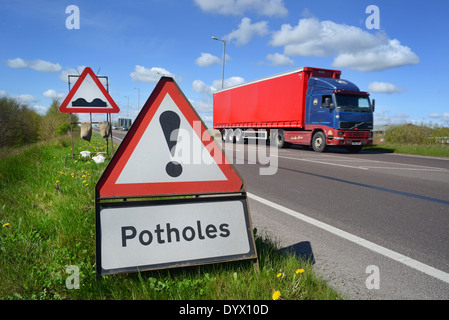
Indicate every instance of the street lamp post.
{"type": "Point", "coordinates": [224, 53]}
{"type": "Point", "coordinates": [138, 98]}
{"type": "Point", "coordinates": [127, 112]}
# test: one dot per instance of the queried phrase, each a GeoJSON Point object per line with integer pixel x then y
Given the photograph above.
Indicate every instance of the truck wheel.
{"type": "Point", "coordinates": [319, 142]}
{"type": "Point", "coordinates": [238, 134]}
{"type": "Point", "coordinates": [230, 136]}
{"type": "Point", "coordinates": [278, 139]}
{"type": "Point", "coordinates": [224, 134]}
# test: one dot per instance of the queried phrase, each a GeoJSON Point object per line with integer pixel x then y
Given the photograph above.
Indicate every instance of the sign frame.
{"type": "Point", "coordinates": [64, 107]}
{"type": "Point", "coordinates": [250, 255]}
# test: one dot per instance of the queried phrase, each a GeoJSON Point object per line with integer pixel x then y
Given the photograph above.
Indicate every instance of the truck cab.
{"type": "Point", "coordinates": [345, 112]}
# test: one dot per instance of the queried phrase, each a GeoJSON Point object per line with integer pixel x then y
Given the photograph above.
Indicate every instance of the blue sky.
{"type": "Point", "coordinates": [403, 64]}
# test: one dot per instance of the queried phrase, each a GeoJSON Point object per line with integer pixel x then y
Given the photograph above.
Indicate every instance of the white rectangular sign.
{"type": "Point", "coordinates": [158, 234]}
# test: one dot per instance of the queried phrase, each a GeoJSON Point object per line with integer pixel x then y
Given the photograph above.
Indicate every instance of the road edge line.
{"type": "Point", "coordinates": [431, 271]}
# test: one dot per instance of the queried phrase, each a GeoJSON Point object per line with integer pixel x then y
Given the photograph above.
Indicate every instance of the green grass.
{"type": "Point", "coordinates": [412, 139]}
{"type": "Point", "coordinates": [47, 223]}
{"type": "Point", "coordinates": [435, 150]}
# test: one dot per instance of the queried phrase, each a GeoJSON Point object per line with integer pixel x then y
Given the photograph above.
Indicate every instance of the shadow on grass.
{"type": "Point", "coordinates": [302, 250]}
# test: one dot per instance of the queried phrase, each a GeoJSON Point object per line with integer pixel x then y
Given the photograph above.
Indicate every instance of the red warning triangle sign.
{"type": "Point", "coordinates": [168, 151]}
{"type": "Point", "coordinates": [88, 95]}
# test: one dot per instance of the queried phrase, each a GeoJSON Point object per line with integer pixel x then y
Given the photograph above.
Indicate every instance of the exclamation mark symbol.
{"type": "Point", "coordinates": [170, 122]}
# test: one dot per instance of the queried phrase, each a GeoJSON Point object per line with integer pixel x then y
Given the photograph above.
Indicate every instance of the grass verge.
{"type": "Point", "coordinates": [435, 150]}
{"type": "Point", "coordinates": [425, 139]}
{"type": "Point", "coordinates": [47, 223]}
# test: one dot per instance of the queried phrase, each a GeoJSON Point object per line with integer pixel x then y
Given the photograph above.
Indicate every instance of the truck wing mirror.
{"type": "Point", "coordinates": [374, 104]}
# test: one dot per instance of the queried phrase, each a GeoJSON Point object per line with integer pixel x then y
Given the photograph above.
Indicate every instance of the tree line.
{"type": "Point", "coordinates": [19, 124]}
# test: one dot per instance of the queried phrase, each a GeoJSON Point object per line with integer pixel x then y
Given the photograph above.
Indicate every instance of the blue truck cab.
{"type": "Point", "coordinates": [345, 112]}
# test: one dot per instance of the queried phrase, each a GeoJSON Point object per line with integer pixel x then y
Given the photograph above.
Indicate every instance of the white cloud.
{"type": "Point", "coordinates": [38, 65]}
{"type": "Point", "coordinates": [271, 8]}
{"type": "Point", "coordinates": [381, 118]}
{"type": "Point", "coordinates": [45, 66]}
{"type": "Point", "coordinates": [26, 98]}
{"type": "Point", "coordinates": [50, 93]}
{"type": "Point", "coordinates": [390, 55]}
{"type": "Point", "coordinates": [278, 59]}
{"type": "Point", "coordinates": [204, 108]}
{"type": "Point", "coordinates": [200, 87]}
{"type": "Point", "coordinates": [229, 82]}
{"type": "Point", "coordinates": [444, 116]}
{"type": "Point", "coordinates": [206, 60]}
{"type": "Point", "coordinates": [353, 47]}
{"type": "Point", "coordinates": [323, 38]}
{"type": "Point", "coordinates": [71, 71]}
{"type": "Point", "coordinates": [384, 87]}
{"type": "Point", "coordinates": [40, 109]}
{"type": "Point", "coordinates": [203, 105]}
{"type": "Point", "coordinates": [21, 98]}
{"type": "Point", "coordinates": [16, 63]}
{"type": "Point", "coordinates": [208, 120]}
{"type": "Point", "coordinates": [142, 74]}
{"type": "Point", "coordinates": [246, 31]}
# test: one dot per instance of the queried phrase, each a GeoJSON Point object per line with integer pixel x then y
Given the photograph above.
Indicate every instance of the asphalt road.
{"type": "Point", "coordinates": [375, 226]}
{"type": "Point", "coordinates": [368, 217]}
{"type": "Point", "coordinates": [118, 135]}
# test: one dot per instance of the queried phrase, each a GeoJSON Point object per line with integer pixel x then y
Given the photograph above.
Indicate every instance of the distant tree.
{"type": "Point", "coordinates": [19, 124]}
{"type": "Point", "coordinates": [55, 123]}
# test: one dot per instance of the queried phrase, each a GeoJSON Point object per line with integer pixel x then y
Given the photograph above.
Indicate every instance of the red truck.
{"type": "Point", "coordinates": [308, 106]}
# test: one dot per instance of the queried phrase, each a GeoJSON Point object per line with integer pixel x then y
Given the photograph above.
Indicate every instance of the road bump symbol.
{"type": "Point", "coordinates": [170, 122]}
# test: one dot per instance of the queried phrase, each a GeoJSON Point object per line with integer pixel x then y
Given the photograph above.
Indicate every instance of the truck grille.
{"type": "Point", "coordinates": [355, 134]}
{"type": "Point", "coordinates": [356, 124]}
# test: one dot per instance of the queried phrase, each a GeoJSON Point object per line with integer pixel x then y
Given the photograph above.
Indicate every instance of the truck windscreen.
{"type": "Point", "coordinates": [352, 103]}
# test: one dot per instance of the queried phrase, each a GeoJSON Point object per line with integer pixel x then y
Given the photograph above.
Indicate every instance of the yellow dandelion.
{"type": "Point", "coordinates": [83, 176]}
{"type": "Point", "coordinates": [276, 295]}
{"type": "Point", "coordinates": [279, 275]}
{"type": "Point", "coordinates": [87, 184]}
{"type": "Point", "coordinates": [84, 181]}
{"type": "Point", "coordinates": [299, 271]}
{"type": "Point", "coordinates": [6, 224]}
{"type": "Point", "coordinates": [57, 181]}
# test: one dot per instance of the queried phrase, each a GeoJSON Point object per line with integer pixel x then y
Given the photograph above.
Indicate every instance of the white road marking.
{"type": "Point", "coordinates": [431, 271]}
{"type": "Point", "coordinates": [323, 162]}
{"type": "Point", "coordinates": [415, 169]}
{"type": "Point", "coordinates": [365, 165]}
